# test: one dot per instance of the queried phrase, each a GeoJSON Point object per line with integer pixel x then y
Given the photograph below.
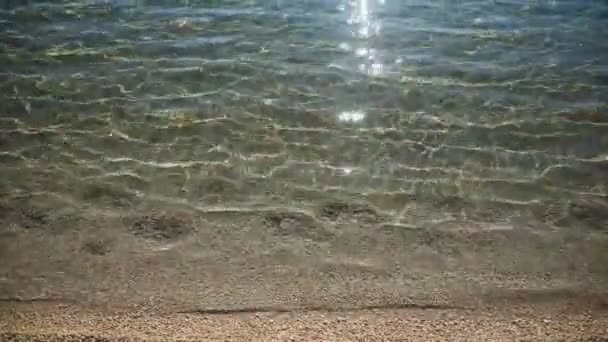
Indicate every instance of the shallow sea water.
{"type": "Point", "coordinates": [407, 115]}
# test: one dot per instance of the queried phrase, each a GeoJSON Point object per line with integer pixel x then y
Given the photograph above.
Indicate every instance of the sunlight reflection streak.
{"type": "Point", "coordinates": [364, 30]}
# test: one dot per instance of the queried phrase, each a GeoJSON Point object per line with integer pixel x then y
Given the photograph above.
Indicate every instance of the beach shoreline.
{"type": "Point", "coordinates": [560, 320]}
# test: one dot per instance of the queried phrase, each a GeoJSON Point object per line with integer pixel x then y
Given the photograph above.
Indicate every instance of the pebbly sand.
{"type": "Point", "coordinates": [578, 318]}
{"type": "Point", "coordinates": [243, 280]}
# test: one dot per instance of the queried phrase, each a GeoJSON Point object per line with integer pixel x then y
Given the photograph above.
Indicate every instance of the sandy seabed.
{"type": "Point", "coordinates": [278, 276]}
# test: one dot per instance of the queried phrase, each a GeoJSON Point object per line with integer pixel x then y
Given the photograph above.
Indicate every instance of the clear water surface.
{"type": "Point", "coordinates": [402, 114]}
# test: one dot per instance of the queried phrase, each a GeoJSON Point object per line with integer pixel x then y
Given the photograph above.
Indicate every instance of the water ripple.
{"type": "Point", "coordinates": [425, 111]}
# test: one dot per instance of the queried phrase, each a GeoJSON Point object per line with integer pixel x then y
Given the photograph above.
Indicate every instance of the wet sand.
{"type": "Point", "coordinates": [563, 321]}
{"type": "Point", "coordinates": [275, 276]}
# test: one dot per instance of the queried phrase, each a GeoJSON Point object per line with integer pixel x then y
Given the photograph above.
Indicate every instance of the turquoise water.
{"type": "Point", "coordinates": [489, 115]}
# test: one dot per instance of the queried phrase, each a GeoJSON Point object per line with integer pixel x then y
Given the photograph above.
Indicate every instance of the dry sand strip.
{"type": "Point", "coordinates": [53, 322]}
